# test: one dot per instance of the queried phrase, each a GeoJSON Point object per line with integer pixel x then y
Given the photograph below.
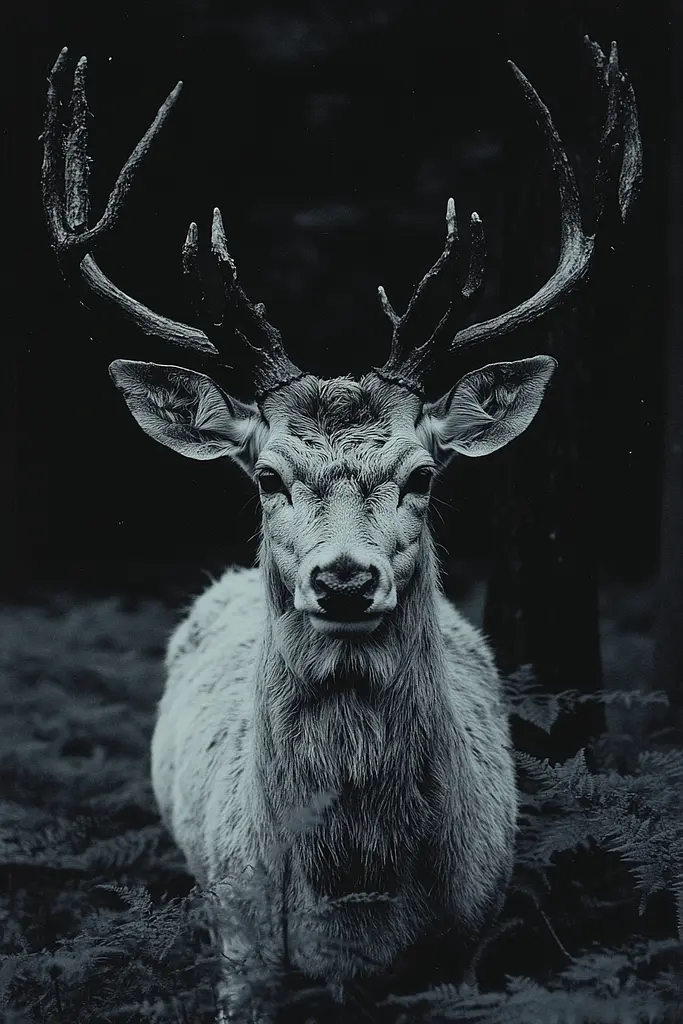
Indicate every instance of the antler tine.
{"type": "Point", "coordinates": [474, 283]}
{"type": "Point", "coordinates": [272, 368]}
{"type": "Point", "coordinates": [405, 359]}
{"type": "Point", "coordinates": [609, 140]}
{"type": "Point", "coordinates": [53, 168]}
{"type": "Point", "coordinates": [631, 174]}
{"type": "Point", "coordinates": [620, 131]}
{"type": "Point", "coordinates": [400, 343]}
{"type": "Point", "coordinates": [387, 307]}
{"type": "Point", "coordinates": [471, 289]}
{"type": "Point", "coordinates": [76, 163]}
{"type": "Point", "coordinates": [65, 176]}
{"type": "Point", "coordinates": [193, 279]}
{"type": "Point", "coordinates": [407, 363]}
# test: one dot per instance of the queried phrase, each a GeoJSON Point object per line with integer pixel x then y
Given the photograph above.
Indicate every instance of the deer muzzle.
{"type": "Point", "coordinates": [345, 594]}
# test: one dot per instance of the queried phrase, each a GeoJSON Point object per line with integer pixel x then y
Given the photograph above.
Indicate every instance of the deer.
{"type": "Point", "coordinates": [335, 678]}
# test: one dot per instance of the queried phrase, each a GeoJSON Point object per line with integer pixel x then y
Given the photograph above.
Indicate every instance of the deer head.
{"type": "Point", "coordinates": [343, 467]}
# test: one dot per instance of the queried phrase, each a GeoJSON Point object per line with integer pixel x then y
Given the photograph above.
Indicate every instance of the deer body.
{"type": "Point", "coordinates": [419, 758]}
{"type": "Point", "coordinates": [337, 675]}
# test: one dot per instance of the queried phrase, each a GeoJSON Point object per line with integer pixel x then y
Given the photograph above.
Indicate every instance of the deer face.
{"type": "Point", "coordinates": [344, 484]}
{"type": "Point", "coordinates": [344, 468]}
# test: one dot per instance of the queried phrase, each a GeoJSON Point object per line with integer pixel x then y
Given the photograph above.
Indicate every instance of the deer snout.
{"type": "Point", "coordinates": [345, 590]}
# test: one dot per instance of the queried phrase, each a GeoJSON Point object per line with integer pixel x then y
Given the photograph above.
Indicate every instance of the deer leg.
{"type": "Point", "coordinates": [247, 990]}
{"type": "Point", "coordinates": [239, 1004]}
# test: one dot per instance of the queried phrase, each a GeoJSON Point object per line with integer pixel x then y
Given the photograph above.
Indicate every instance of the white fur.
{"type": "Point", "coordinates": [421, 764]}
{"type": "Point", "coordinates": [394, 742]}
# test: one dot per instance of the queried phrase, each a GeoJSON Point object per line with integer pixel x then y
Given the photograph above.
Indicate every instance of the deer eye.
{"type": "Point", "coordinates": [271, 482]}
{"type": "Point", "coordinates": [418, 482]}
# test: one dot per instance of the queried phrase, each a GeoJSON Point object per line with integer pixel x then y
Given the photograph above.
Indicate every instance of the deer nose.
{"type": "Point", "coordinates": [344, 589]}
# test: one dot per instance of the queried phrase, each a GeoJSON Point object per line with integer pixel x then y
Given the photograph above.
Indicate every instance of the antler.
{"type": "Point", "coordinates": [66, 168]}
{"type": "Point", "coordinates": [271, 366]}
{"type": "Point", "coordinates": [407, 364]}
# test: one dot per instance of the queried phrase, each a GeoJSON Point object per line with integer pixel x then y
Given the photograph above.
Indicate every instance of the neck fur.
{"type": "Point", "coordinates": [333, 714]}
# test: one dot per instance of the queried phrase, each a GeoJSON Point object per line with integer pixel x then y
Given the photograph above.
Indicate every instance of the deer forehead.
{"type": "Point", "coordinates": [336, 406]}
{"type": "Point", "coordinates": [322, 462]}
{"type": "Point", "coordinates": [324, 431]}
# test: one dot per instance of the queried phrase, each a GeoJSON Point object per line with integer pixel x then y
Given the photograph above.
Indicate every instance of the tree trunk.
{"type": "Point", "coordinates": [669, 629]}
{"type": "Point", "coordinates": [542, 601]}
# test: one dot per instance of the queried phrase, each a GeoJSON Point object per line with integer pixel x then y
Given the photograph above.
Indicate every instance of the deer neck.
{"type": "Point", "coordinates": [333, 716]}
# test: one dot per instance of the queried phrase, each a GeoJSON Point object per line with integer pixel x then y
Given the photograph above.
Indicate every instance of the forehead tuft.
{"type": "Point", "coordinates": [341, 403]}
{"type": "Point", "coordinates": [337, 408]}
{"type": "Point", "coordinates": [331, 428]}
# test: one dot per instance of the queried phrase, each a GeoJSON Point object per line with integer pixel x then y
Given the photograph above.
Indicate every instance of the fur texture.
{"type": "Point", "coordinates": [417, 761]}
{"type": "Point", "coordinates": [364, 783]}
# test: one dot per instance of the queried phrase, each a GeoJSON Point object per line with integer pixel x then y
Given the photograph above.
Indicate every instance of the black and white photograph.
{"type": "Point", "coordinates": [341, 603]}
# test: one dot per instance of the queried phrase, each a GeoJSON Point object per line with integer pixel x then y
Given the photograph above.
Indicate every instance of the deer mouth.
{"type": "Point", "coordinates": [343, 629]}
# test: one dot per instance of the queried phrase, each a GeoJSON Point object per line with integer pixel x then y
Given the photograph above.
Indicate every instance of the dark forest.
{"type": "Point", "coordinates": [331, 136]}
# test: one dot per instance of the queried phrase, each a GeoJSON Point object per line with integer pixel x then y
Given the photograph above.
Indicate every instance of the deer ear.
{"type": "Point", "coordinates": [486, 408]}
{"type": "Point", "coordinates": [186, 411]}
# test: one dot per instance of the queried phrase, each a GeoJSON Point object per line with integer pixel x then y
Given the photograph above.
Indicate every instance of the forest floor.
{"type": "Point", "coordinates": [98, 916]}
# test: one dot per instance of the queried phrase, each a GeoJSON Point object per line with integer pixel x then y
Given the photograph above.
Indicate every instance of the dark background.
{"type": "Point", "coordinates": [331, 135]}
